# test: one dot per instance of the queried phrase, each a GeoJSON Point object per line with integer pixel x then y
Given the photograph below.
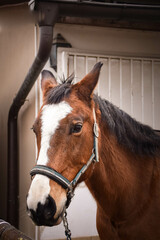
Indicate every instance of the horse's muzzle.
{"type": "Point", "coordinates": [44, 214]}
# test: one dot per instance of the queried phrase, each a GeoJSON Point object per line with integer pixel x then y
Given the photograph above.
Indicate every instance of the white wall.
{"type": "Point", "coordinates": [111, 41]}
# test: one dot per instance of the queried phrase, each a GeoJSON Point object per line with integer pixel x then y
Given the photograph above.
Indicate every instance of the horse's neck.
{"type": "Point", "coordinates": [114, 177]}
{"type": "Point", "coordinates": [107, 175]}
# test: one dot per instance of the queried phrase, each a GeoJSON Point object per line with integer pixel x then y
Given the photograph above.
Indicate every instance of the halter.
{"type": "Point", "coordinates": [60, 179]}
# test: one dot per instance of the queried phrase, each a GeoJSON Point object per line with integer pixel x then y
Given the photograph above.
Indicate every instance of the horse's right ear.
{"type": "Point", "coordinates": [48, 81]}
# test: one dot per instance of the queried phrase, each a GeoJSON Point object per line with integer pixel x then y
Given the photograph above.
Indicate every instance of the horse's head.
{"type": "Point", "coordinates": [65, 138]}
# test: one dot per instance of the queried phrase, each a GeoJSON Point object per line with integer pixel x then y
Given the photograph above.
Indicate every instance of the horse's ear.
{"type": "Point", "coordinates": [87, 85]}
{"type": "Point", "coordinates": [48, 81]}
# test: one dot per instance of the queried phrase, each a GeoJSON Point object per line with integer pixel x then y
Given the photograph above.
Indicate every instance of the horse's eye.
{"type": "Point", "coordinates": [77, 128]}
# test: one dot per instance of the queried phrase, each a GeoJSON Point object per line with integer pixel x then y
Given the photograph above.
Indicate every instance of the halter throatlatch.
{"type": "Point", "coordinates": [60, 179]}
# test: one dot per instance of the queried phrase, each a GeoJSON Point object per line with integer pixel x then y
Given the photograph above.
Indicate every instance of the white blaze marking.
{"type": "Point", "coordinates": [50, 118]}
{"type": "Point", "coordinates": [38, 191]}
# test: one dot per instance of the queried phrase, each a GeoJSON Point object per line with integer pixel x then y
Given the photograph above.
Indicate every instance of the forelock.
{"type": "Point", "coordinates": [61, 91]}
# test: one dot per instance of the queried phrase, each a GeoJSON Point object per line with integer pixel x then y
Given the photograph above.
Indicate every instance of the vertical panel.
{"type": "Point", "coordinates": [70, 65]}
{"type": "Point", "coordinates": [157, 94]}
{"type": "Point", "coordinates": [115, 81]}
{"type": "Point", "coordinates": [137, 90]}
{"type": "Point", "coordinates": [80, 67]}
{"type": "Point", "coordinates": [65, 56]}
{"type": "Point", "coordinates": [126, 85]}
{"type": "Point", "coordinates": [91, 62]}
{"type": "Point", "coordinates": [147, 93]}
{"type": "Point", "coordinates": [104, 80]}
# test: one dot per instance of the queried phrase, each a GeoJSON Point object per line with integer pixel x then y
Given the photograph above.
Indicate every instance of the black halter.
{"type": "Point", "coordinates": [60, 179]}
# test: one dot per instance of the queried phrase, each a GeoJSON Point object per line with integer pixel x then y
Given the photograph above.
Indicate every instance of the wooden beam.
{"type": "Point", "coordinates": [127, 24]}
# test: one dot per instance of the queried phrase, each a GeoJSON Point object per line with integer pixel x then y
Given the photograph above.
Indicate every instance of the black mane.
{"type": "Point", "coordinates": [138, 138]}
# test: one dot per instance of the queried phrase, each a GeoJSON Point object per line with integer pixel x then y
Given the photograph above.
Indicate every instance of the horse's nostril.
{"type": "Point", "coordinates": [49, 208]}
{"type": "Point", "coordinates": [48, 214]}
{"type": "Point", "coordinates": [44, 212]}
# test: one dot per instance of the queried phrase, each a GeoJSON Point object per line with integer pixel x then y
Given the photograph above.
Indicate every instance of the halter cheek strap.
{"type": "Point", "coordinates": [96, 135]}
{"type": "Point", "coordinates": [60, 179]}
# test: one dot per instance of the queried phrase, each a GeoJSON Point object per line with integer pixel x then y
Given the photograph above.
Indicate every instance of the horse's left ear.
{"type": "Point", "coordinates": [87, 85]}
{"type": "Point", "coordinates": [48, 81]}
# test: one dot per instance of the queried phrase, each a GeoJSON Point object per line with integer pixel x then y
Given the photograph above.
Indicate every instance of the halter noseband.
{"type": "Point", "coordinates": [60, 179]}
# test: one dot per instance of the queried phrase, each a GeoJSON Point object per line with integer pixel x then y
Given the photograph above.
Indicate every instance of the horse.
{"type": "Point", "coordinates": [82, 137]}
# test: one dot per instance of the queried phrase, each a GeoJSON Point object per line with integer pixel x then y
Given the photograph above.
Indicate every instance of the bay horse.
{"type": "Point", "coordinates": [82, 137]}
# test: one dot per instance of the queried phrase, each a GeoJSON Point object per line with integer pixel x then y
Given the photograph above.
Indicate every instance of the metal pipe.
{"type": "Point", "coordinates": [46, 22]}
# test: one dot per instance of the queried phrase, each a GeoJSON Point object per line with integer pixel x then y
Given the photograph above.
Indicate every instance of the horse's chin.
{"type": "Point", "coordinates": [54, 222]}
{"type": "Point", "coordinates": [49, 223]}
{"type": "Point", "coordinates": [59, 220]}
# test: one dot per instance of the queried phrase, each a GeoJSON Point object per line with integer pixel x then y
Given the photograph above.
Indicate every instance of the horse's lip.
{"type": "Point", "coordinates": [49, 223]}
